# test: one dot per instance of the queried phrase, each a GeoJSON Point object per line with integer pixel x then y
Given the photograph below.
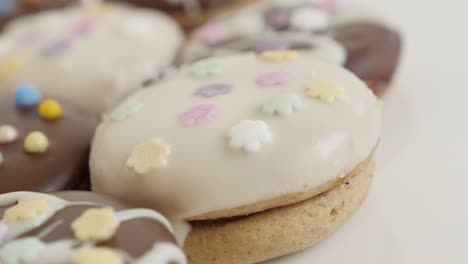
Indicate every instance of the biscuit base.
{"type": "Point", "coordinates": [279, 231]}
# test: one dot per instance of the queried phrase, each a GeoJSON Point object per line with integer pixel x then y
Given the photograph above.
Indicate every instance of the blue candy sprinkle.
{"type": "Point", "coordinates": [27, 95]}
{"type": "Point", "coordinates": [7, 7]}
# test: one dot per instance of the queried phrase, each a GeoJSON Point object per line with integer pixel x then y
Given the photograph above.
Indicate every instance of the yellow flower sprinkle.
{"type": "Point", "coordinates": [10, 66]}
{"type": "Point", "coordinates": [96, 224]}
{"type": "Point", "coordinates": [26, 210]}
{"type": "Point", "coordinates": [325, 91]}
{"type": "Point", "coordinates": [279, 55]}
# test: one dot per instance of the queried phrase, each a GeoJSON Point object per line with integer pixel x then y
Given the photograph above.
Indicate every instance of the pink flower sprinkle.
{"type": "Point", "coordinates": [199, 114]}
{"type": "Point", "coordinates": [211, 34]}
{"type": "Point", "coordinates": [327, 5]}
{"type": "Point", "coordinates": [3, 232]}
{"type": "Point", "coordinates": [83, 27]}
{"type": "Point", "coordinates": [274, 79]}
{"type": "Point", "coordinates": [34, 36]}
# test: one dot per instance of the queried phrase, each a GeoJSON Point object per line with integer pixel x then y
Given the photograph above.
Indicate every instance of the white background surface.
{"type": "Point", "coordinates": [417, 211]}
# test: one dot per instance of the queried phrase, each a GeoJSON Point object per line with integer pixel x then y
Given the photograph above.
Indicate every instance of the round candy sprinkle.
{"type": "Point", "coordinates": [8, 134]}
{"type": "Point", "coordinates": [50, 109]}
{"type": "Point", "coordinates": [7, 7]}
{"type": "Point", "coordinates": [36, 142]}
{"type": "Point", "coordinates": [27, 95]}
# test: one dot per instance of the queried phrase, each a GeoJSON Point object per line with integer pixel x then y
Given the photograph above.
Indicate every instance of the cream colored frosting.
{"type": "Point", "coordinates": [234, 152]}
{"type": "Point", "coordinates": [111, 50]}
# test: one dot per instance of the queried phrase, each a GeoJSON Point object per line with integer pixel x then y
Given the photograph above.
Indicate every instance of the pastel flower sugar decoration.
{"type": "Point", "coordinates": [99, 255]}
{"type": "Point", "coordinates": [96, 224]}
{"type": "Point", "coordinates": [282, 104]}
{"type": "Point", "coordinates": [327, 5]}
{"type": "Point", "coordinates": [208, 67]}
{"type": "Point", "coordinates": [309, 19]}
{"type": "Point", "coordinates": [125, 111]}
{"type": "Point", "coordinates": [149, 156]}
{"type": "Point", "coordinates": [274, 79]}
{"type": "Point", "coordinates": [10, 66]}
{"type": "Point", "coordinates": [278, 55]}
{"type": "Point", "coordinates": [84, 27]}
{"type": "Point", "coordinates": [56, 48]}
{"type": "Point", "coordinates": [199, 115]}
{"type": "Point", "coordinates": [21, 251]}
{"type": "Point", "coordinates": [325, 91]}
{"type": "Point", "coordinates": [101, 9]}
{"type": "Point", "coordinates": [25, 210]}
{"type": "Point", "coordinates": [211, 34]}
{"type": "Point", "coordinates": [213, 90]}
{"type": "Point", "coordinates": [249, 135]}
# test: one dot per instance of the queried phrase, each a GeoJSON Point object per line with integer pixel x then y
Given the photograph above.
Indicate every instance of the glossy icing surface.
{"type": "Point", "coordinates": [236, 130]}
{"type": "Point", "coordinates": [92, 55]}
{"type": "Point", "coordinates": [46, 224]}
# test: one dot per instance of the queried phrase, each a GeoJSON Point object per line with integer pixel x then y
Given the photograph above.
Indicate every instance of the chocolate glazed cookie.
{"type": "Point", "coordinates": [10, 9]}
{"type": "Point", "coordinates": [83, 226]}
{"type": "Point", "coordinates": [373, 52]}
{"type": "Point", "coordinates": [40, 153]}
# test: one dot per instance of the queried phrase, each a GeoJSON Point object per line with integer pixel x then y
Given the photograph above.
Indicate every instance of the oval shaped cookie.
{"type": "Point", "coordinates": [82, 227]}
{"type": "Point", "coordinates": [92, 55]}
{"type": "Point", "coordinates": [236, 135]}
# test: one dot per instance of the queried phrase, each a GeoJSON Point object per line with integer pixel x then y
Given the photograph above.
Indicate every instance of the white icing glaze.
{"type": "Point", "coordinates": [163, 253]}
{"type": "Point", "coordinates": [16, 229]}
{"type": "Point", "coordinates": [108, 55]}
{"type": "Point", "coordinates": [309, 19]}
{"type": "Point", "coordinates": [144, 213]}
{"type": "Point", "coordinates": [204, 174]}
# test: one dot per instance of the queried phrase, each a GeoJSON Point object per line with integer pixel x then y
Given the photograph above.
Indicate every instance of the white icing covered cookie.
{"type": "Point", "coordinates": [92, 55]}
{"type": "Point", "coordinates": [235, 131]}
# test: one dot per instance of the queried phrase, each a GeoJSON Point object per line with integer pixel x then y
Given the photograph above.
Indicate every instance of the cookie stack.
{"type": "Point", "coordinates": [255, 137]}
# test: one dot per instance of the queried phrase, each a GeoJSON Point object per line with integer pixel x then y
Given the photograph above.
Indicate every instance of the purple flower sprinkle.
{"type": "Point", "coordinates": [213, 90]}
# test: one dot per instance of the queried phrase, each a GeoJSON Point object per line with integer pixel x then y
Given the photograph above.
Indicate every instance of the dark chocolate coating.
{"type": "Point", "coordinates": [373, 51]}
{"type": "Point", "coordinates": [63, 166]}
{"type": "Point", "coordinates": [25, 7]}
{"type": "Point", "coordinates": [136, 236]}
